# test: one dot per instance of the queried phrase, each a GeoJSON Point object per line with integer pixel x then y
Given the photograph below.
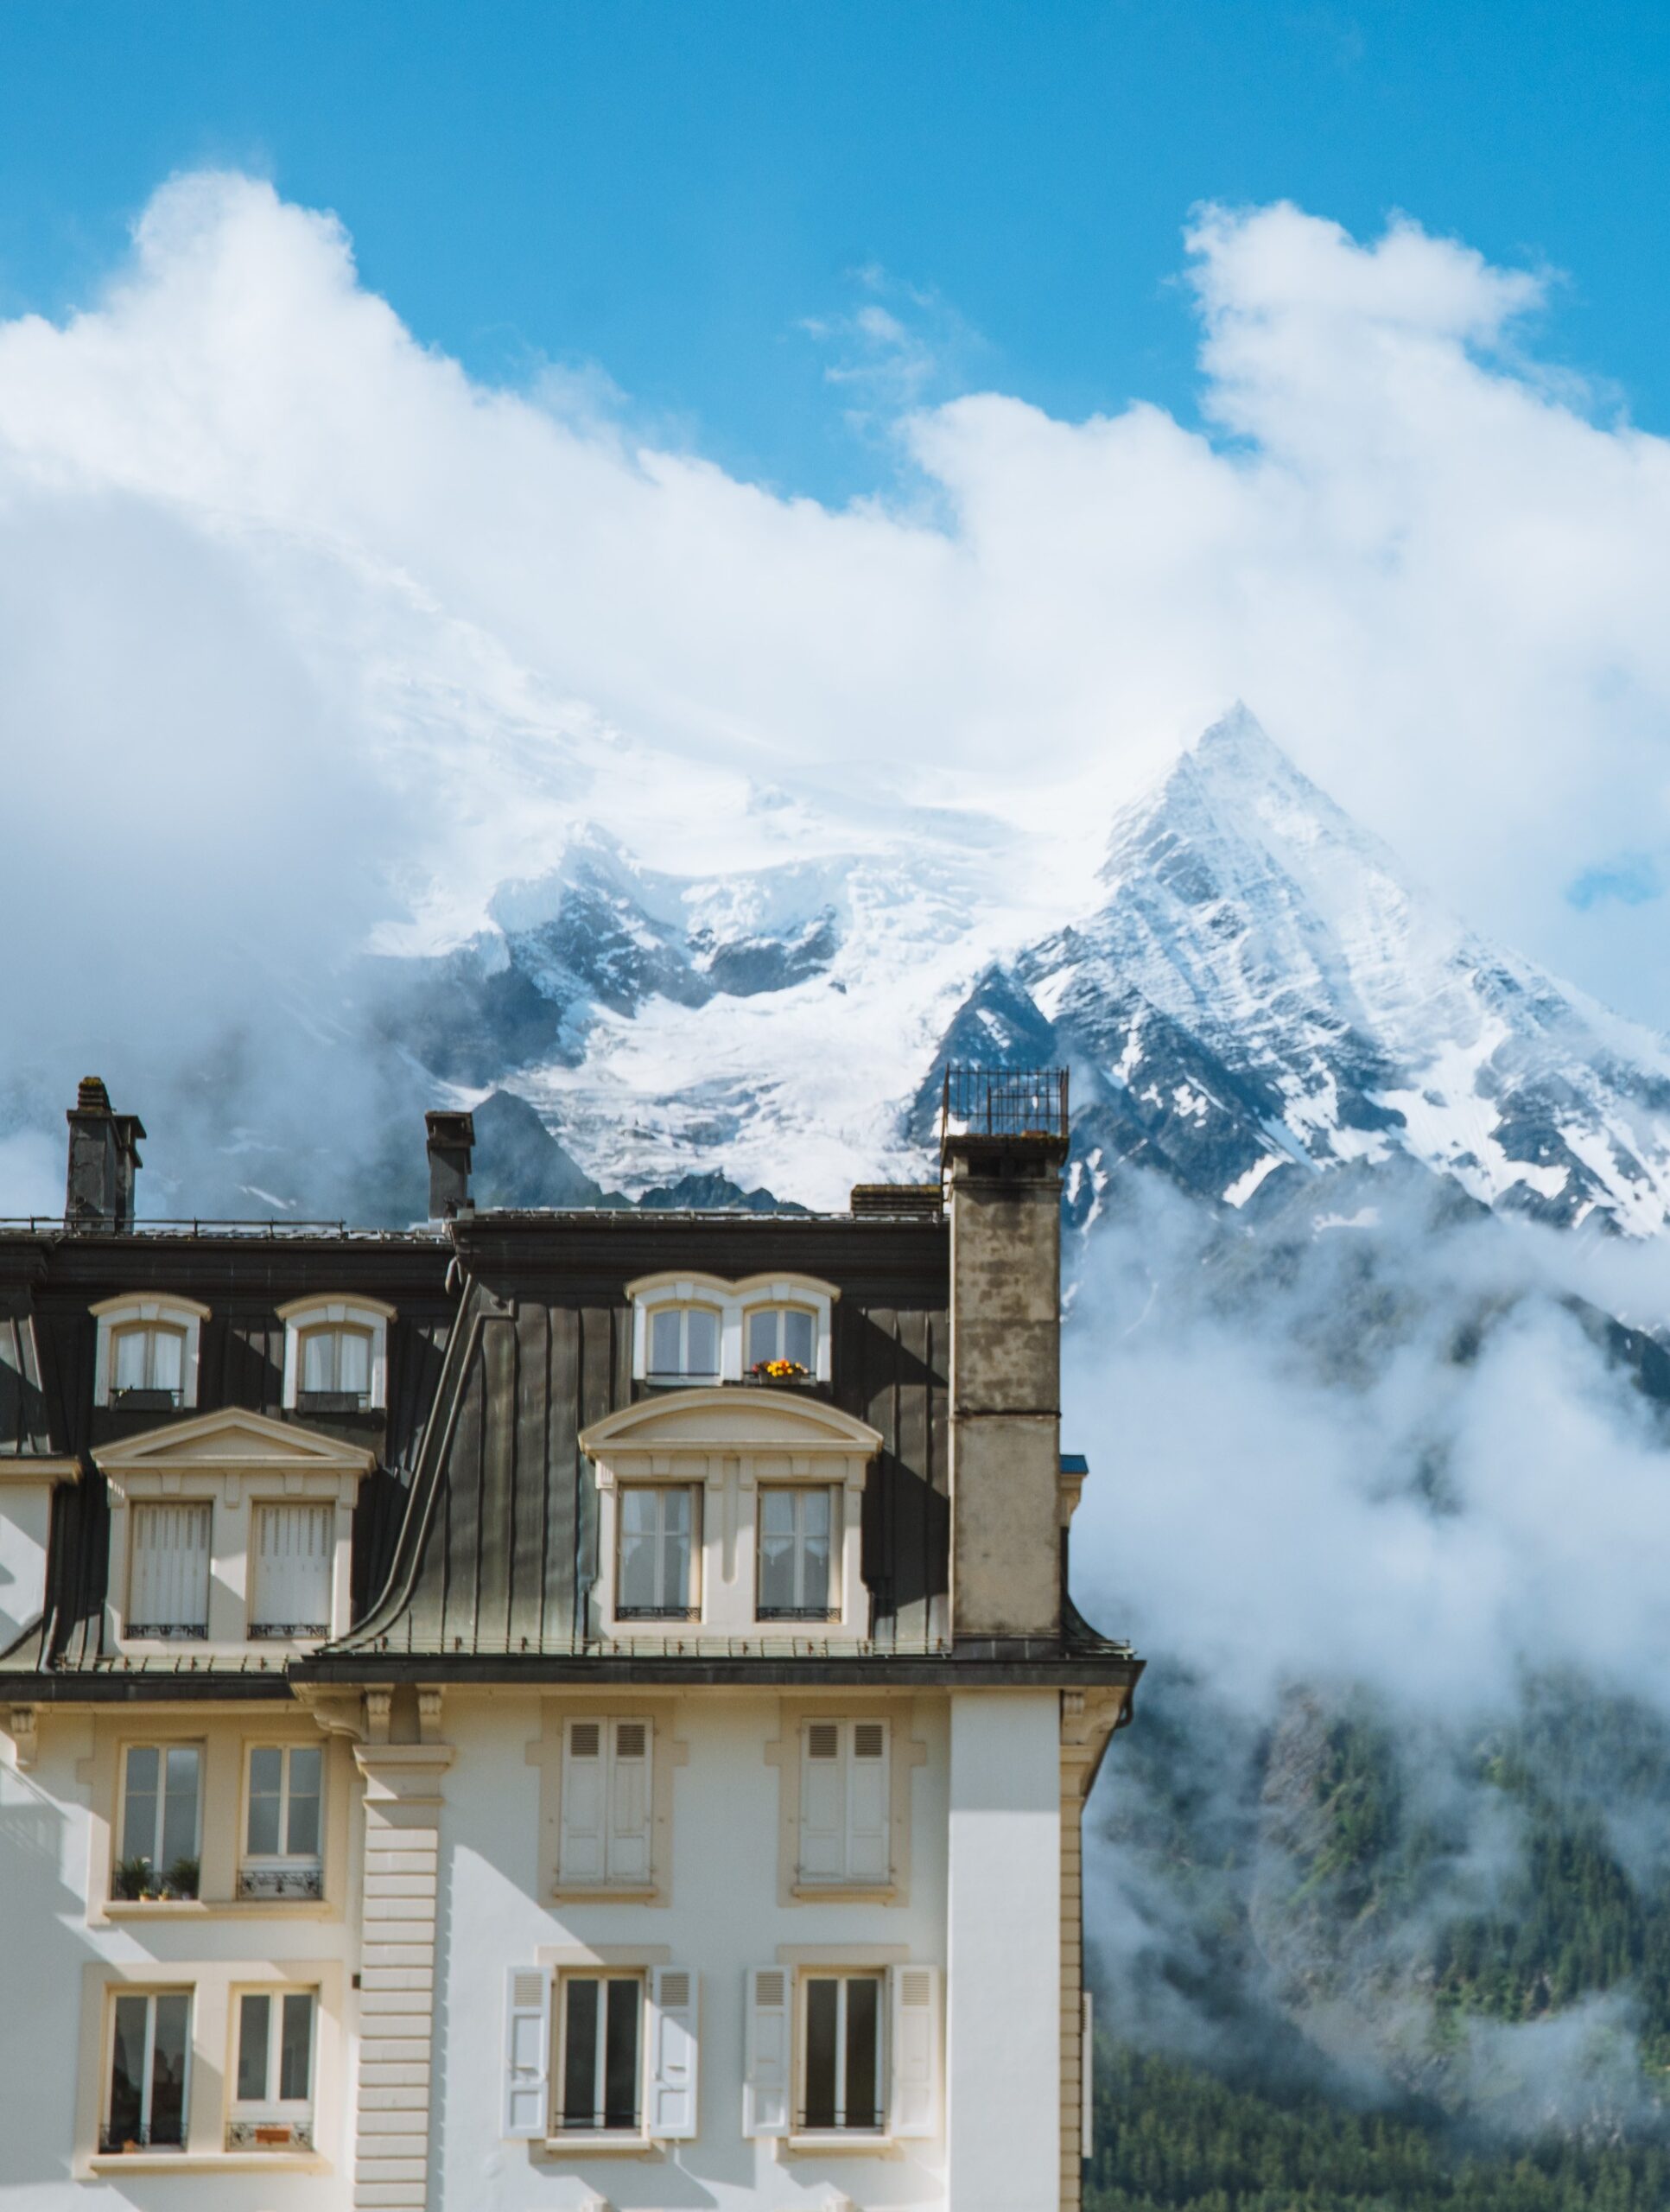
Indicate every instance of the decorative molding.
{"type": "Point", "coordinates": [38, 1473]}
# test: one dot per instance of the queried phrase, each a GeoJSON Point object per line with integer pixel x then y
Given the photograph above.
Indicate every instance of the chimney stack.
{"type": "Point", "coordinates": [1003, 1141]}
{"type": "Point", "coordinates": [103, 1162]}
{"type": "Point", "coordinates": [452, 1138]}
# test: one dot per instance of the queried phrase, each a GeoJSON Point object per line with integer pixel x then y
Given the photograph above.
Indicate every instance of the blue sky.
{"type": "Point", "coordinates": [671, 194]}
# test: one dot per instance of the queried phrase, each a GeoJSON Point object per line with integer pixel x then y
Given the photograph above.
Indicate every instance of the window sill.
{"type": "Point", "coordinates": [600, 2147]}
{"type": "Point", "coordinates": [214, 1909]}
{"type": "Point", "coordinates": [207, 2162]}
{"type": "Point", "coordinates": [845, 1892]}
{"type": "Point", "coordinates": [839, 2142]}
{"type": "Point", "coordinates": [605, 1893]}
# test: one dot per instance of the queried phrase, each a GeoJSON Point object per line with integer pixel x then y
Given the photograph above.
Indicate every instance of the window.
{"type": "Point", "coordinates": [290, 1593]}
{"type": "Point", "coordinates": [336, 1365]}
{"type": "Point", "coordinates": [281, 1829]}
{"type": "Point", "coordinates": [150, 2073]}
{"type": "Point", "coordinates": [844, 1803]}
{"type": "Point", "coordinates": [684, 1344]}
{"type": "Point", "coordinates": [607, 1770]}
{"type": "Point", "coordinates": [145, 1354]}
{"type": "Point", "coordinates": [785, 1334]}
{"type": "Point", "coordinates": [840, 2053]}
{"type": "Point", "coordinates": [599, 2065]}
{"type": "Point", "coordinates": [658, 1530]}
{"type": "Point", "coordinates": [272, 2100]}
{"type": "Point", "coordinates": [157, 1850]}
{"type": "Point", "coordinates": [148, 1364]}
{"type": "Point", "coordinates": [795, 1526]}
{"type": "Point", "coordinates": [169, 1580]}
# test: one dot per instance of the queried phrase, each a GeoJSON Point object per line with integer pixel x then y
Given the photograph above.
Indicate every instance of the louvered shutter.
{"type": "Point", "coordinates": [868, 1852]}
{"type": "Point", "coordinates": [584, 1801]}
{"type": "Point", "coordinates": [823, 1802]}
{"type": "Point", "coordinates": [766, 2086]}
{"type": "Point", "coordinates": [915, 2105]}
{"type": "Point", "coordinates": [628, 1853]}
{"type": "Point", "coordinates": [293, 1548]}
{"type": "Point", "coordinates": [170, 1584]}
{"type": "Point", "coordinates": [527, 2051]}
{"type": "Point", "coordinates": [672, 2054]}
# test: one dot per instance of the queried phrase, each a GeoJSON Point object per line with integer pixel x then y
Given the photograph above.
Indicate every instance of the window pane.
{"type": "Point", "coordinates": [620, 2057]}
{"type": "Point", "coordinates": [580, 2052]}
{"type": "Point", "coordinates": [776, 1551]}
{"type": "Point", "coordinates": [266, 1772]}
{"type": "Point", "coordinates": [180, 1805]}
{"type": "Point", "coordinates": [168, 1360]}
{"type": "Point", "coordinates": [701, 1341]}
{"type": "Point", "coordinates": [822, 1997]}
{"type": "Point", "coordinates": [797, 1337]}
{"type": "Point", "coordinates": [295, 2051]}
{"type": "Point", "coordinates": [815, 1517]}
{"type": "Point", "coordinates": [168, 2070]}
{"type": "Point", "coordinates": [254, 2025]}
{"type": "Point", "coordinates": [762, 1335]}
{"type": "Point", "coordinates": [127, 2069]}
{"type": "Point", "coordinates": [354, 1361]}
{"type": "Point", "coordinates": [664, 1341]}
{"type": "Point", "coordinates": [302, 1840]}
{"type": "Point", "coordinates": [319, 1360]}
{"type": "Point", "coordinates": [638, 1550]}
{"type": "Point", "coordinates": [129, 1349]}
{"type": "Point", "coordinates": [676, 1549]}
{"type": "Point", "coordinates": [863, 2052]}
{"type": "Point", "coordinates": [139, 1813]}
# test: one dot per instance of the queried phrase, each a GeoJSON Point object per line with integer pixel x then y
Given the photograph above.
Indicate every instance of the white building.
{"type": "Point", "coordinates": [550, 1710]}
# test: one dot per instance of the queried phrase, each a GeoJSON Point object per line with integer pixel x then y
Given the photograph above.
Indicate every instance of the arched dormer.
{"type": "Point", "coordinates": [336, 1354]}
{"type": "Point", "coordinates": [730, 1514]}
{"type": "Point", "coordinates": [146, 1355]}
{"type": "Point", "coordinates": [693, 1329]}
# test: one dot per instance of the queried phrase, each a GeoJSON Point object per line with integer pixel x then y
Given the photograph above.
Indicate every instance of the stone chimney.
{"type": "Point", "coordinates": [451, 1138]}
{"type": "Point", "coordinates": [1003, 1141]}
{"type": "Point", "coordinates": [103, 1159]}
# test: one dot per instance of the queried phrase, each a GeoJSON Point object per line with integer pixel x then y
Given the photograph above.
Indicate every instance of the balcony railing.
{"type": "Point", "coordinates": [1004, 1102]}
{"type": "Point", "coordinates": [280, 1882]}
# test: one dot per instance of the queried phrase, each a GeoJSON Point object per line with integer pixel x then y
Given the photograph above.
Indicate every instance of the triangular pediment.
{"type": "Point", "coordinates": [740, 1419]}
{"type": "Point", "coordinates": [233, 1439]}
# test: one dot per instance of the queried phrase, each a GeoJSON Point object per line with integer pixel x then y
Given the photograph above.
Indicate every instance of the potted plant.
{"type": "Point", "coordinates": [131, 1878]}
{"type": "Point", "coordinates": [181, 1879]}
{"type": "Point", "coordinates": [779, 1371]}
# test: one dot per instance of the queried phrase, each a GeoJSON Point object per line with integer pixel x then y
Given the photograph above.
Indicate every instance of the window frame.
{"type": "Point", "coordinates": [295, 2114]}
{"type": "Point", "coordinates": [799, 1491]}
{"type": "Point", "coordinates": [691, 1610]}
{"type": "Point", "coordinates": [118, 1316]}
{"type": "Point", "coordinates": [562, 1979]}
{"type": "Point", "coordinates": [173, 1631]}
{"type": "Point", "coordinates": [149, 1993]}
{"type": "Point", "coordinates": [683, 1374]}
{"type": "Point", "coordinates": [119, 1855]}
{"type": "Point", "coordinates": [306, 1317]}
{"type": "Point", "coordinates": [801, 2126]}
{"type": "Point", "coordinates": [305, 1871]}
{"type": "Point", "coordinates": [288, 1632]}
{"type": "Point", "coordinates": [780, 1309]}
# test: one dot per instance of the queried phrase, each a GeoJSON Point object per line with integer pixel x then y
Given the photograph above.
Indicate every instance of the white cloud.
{"type": "Point", "coordinates": [306, 631]}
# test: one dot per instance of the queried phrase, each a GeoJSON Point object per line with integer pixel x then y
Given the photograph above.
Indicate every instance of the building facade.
{"type": "Point", "coordinates": [546, 1710]}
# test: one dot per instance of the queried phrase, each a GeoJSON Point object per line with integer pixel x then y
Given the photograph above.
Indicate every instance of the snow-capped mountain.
{"type": "Point", "coordinates": [1252, 998]}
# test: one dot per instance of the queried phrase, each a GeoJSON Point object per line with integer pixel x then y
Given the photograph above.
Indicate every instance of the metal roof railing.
{"type": "Point", "coordinates": [1004, 1102]}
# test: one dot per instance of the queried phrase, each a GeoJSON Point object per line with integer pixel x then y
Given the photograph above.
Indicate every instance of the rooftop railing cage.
{"type": "Point", "coordinates": [1004, 1102]}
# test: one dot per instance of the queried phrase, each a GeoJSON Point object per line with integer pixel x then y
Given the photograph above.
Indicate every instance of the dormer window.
{"type": "Point", "coordinates": [145, 1359]}
{"type": "Point", "coordinates": [335, 1355]}
{"type": "Point", "coordinates": [701, 1329]}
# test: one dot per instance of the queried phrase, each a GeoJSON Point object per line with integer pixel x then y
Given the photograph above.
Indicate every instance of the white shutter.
{"type": "Point", "coordinates": [629, 1802]}
{"type": "Point", "coordinates": [293, 1549]}
{"type": "Point", "coordinates": [765, 2087]}
{"type": "Point", "coordinates": [527, 2051]}
{"type": "Point", "coordinates": [170, 1584]}
{"type": "Point", "coordinates": [672, 2054]}
{"type": "Point", "coordinates": [583, 1801]}
{"type": "Point", "coordinates": [914, 2109]}
{"type": "Point", "coordinates": [869, 1854]}
{"type": "Point", "coordinates": [823, 1802]}
{"type": "Point", "coordinates": [1087, 2051]}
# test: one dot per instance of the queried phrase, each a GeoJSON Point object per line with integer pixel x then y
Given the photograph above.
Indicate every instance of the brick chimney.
{"type": "Point", "coordinates": [103, 1159]}
{"type": "Point", "coordinates": [451, 1138]}
{"type": "Point", "coordinates": [1003, 1141]}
